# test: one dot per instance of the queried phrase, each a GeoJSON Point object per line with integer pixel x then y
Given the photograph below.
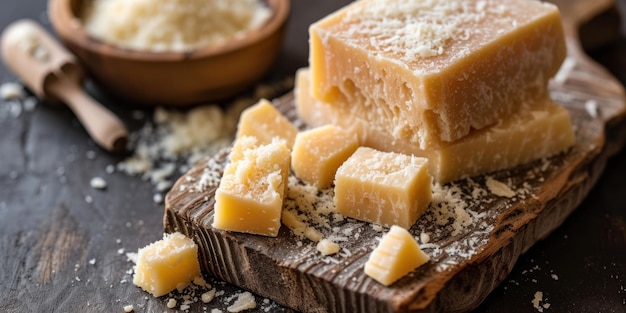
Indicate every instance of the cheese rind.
{"type": "Point", "coordinates": [264, 122]}
{"type": "Point", "coordinates": [542, 129]}
{"type": "Point", "coordinates": [383, 187]}
{"type": "Point", "coordinates": [167, 264]}
{"type": "Point", "coordinates": [396, 255]}
{"type": "Point", "coordinates": [250, 195]}
{"type": "Point", "coordinates": [318, 153]}
{"type": "Point", "coordinates": [429, 72]}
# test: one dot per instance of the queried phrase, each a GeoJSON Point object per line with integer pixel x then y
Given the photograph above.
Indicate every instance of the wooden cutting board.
{"type": "Point", "coordinates": [467, 262]}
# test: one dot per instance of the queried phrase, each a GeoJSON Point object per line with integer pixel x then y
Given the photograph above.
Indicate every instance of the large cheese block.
{"type": "Point", "coordinates": [250, 195]}
{"type": "Point", "coordinates": [385, 188]}
{"type": "Point", "coordinates": [318, 153]}
{"type": "Point", "coordinates": [542, 129]}
{"type": "Point", "coordinates": [429, 72]}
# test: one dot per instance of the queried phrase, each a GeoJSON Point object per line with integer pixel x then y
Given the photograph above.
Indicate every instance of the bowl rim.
{"type": "Point", "coordinates": [70, 29]}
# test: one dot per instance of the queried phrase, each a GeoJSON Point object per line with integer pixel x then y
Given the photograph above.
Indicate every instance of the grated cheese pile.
{"type": "Point", "coordinates": [172, 25]}
{"type": "Point", "coordinates": [176, 140]}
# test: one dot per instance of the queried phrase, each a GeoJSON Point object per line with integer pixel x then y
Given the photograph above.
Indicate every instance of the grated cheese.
{"type": "Point", "coordinates": [172, 25]}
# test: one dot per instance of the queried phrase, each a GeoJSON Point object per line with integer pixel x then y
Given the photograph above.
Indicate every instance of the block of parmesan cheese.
{"type": "Point", "coordinates": [167, 264]}
{"type": "Point", "coordinates": [264, 122]}
{"type": "Point", "coordinates": [396, 255]}
{"type": "Point", "coordinates": [383, 187]}
{"type": "Point", "coordinates": [430, 71]}
{"type": "Point", "coordinates": [250, 195]}
{"type": "Point", "coordinates": [317, 154]}
{"type": "Point", "coordinates": [542, 129]}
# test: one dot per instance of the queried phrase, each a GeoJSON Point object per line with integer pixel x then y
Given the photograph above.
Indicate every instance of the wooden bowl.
{"type": "Point", "coordinates": [172, 78]}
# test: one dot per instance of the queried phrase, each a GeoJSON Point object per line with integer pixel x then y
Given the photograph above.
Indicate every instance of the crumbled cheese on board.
{"type": "Point", "coordinates": [499, 188]}
{"type": "Point", "coordinates": [98, 183]}
{"type": "Point", "coordinates": [172, 25]}
{"type": "Point", "coordinates": [245, 301]}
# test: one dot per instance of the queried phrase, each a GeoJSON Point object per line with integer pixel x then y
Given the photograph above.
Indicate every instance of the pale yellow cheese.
{"type": "Point", "coordinates": [430, 71]}
{"type": "Point", "coordinates": [264, 122]}
{"type": "Point", "coordinates": [383, 187]}
{"type": "Point", "coordinates": [167, 264]}
{"type": "Point", "coordinates": [397, 254]}
{"type": "Point", "coordinates": [250, 195]}
{"type": "Point", "coordinates": [540, 130]}
{"type": "Point", "coordinates": [318, 153]}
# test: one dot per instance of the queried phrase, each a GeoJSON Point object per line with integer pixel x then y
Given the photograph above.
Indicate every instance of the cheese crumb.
{"type": "Point", "coordinates": [11, 91]}
{"type": "Point", "coordinates": [98, 183]}
{"type": "Point", "coordinates": [327, 247]}
{"type": "Point", "coordinates": [128, 308]}
{"type": "Point", "coordinates": [244, 301]}
{"type": "Point", "coordinates": [499, 188]}
{"type": "Point", "coordinates": [208, 296]}
{"type": "Point", "coordinates": [171, 303]}
{"type": "Point", "coordinates": [537, 301]}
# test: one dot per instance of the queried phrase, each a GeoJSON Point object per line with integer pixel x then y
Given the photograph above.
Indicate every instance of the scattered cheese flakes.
{"type": "Point", "coordinates": [92, 262]}
{"type": "Point", "coordinates": [128, 308]}
{"type": "Point", "coordinates": [424, 238]}
{"type": "Point", "coordinates": [499, 188]}
{"type": "Point", "coordinates": [244, 301]}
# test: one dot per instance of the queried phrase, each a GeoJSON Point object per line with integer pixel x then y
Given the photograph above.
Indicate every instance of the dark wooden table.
{"type": "Point", "coordinates": [49, 233]}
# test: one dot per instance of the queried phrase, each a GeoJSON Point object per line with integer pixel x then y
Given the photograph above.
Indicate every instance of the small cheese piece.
{"type": "Point", "coordinates": [383, 187]}
{"type": "Point", "coordinates": [327, 247]}
{"type": "Point", "coordinates": [431, 71]}
{"type": "Point", "coordinates": [250, 195]}
{"type": "Point", "coordinates": [397, 254]}
{"type": "Point", "coordinates": [167, 264]}
{"type": "Point", "coordinates": [542, 129]}
{"type": "Point", "coordinates": [318, 153]}
{"type": "Point", "coordinates": [264, 122]}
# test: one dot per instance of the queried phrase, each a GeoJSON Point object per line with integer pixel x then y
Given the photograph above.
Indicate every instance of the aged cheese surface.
{"type": "Point", "coordinates": [396, 255]}
{"type": "Point", "coordinates": [167, 264]}
{"type": "Point", "coordinates": [249, 197]}
{"type": "Point", "coordinates": [383, 187]}
{"type": "Point", "coordinates": [264, 122]}
{"type": "Point", "coordinates": [431, 71]}
{"type": "Point", "coordinates": [542, 129]}
{"type": "Point", "coordinates": [318, 153]}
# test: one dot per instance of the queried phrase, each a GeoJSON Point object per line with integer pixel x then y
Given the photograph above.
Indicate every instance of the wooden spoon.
{"type": "Point", "coordinates": [53, 74]}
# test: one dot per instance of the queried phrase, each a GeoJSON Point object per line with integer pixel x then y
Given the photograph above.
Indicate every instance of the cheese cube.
{"type": "Point", "coordinates": [397, 254]}
{"type": "Point", "coordinates": [383, 187]}
{"type": "Point", "coordinates": [250, 195]}
{"type": "Point", "coordinates": [541, 129]}
{"type": "Point", "coordinates": [167, 264]}
{"type": "Point", "coordinates": [318, 153]}
{"type": "Point", "coordinates": [430, 71]}
{"type": "Point", "coordinates": [264, 122]}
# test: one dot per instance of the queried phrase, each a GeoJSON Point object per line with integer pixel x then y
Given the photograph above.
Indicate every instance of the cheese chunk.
{"type": "Point", "coordinates": [428, 72]}
{"type": "Point", "coordinates": [318, 153]}
{"type": "Point", "coordinates": [264, 122]}
{"type": "Point", "coordinates": [383, 187]}
{"type": "Point", "coordinates": [541, 129]}
{"type": "Point", "coordinates": [250, 195]}
{"type": "Point", "coordinates": [397, 254]}
{"type": "Point", "coordinates": [167, 264]}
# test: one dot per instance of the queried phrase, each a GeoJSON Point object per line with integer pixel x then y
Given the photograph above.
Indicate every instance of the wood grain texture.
{"type": "Point", "coordinates": [299, 278]}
